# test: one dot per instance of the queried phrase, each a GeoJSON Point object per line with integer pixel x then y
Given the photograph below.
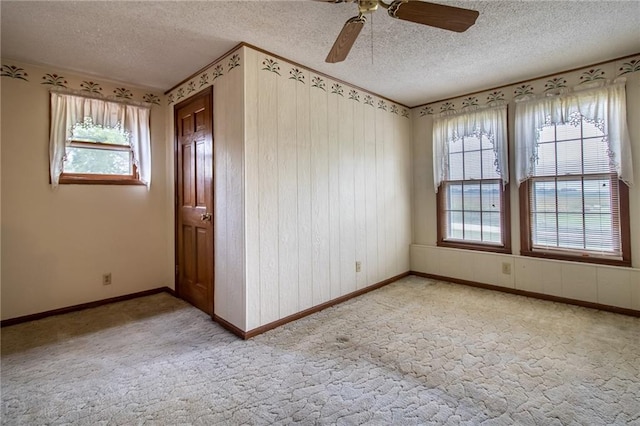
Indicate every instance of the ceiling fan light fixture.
{"type": "Point", "coordinates": [421, 12]}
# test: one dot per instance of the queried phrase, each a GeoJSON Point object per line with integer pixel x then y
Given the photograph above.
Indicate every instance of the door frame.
{"type": "Point", "coordinates": [176, 107]}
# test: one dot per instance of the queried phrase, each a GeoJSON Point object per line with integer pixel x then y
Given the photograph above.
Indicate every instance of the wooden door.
{"type": "Point", "coordinates": [194, 200]}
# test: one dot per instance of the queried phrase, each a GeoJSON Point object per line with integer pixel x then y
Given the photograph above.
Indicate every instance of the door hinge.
{"type": "Point", "coordinates": [177, 269]}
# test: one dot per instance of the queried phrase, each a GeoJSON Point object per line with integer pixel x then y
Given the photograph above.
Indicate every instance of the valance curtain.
{"type": "Point", "coordinates": [605, 105]}
{"type": "Point", "coordinates": [69, 109]}
{"type": "Point", "coordinates": [490, 122]}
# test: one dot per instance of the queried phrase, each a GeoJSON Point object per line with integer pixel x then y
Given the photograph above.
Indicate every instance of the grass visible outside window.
{"type": "Point", "coordinates": [573, 202]}
{"type": "Point", "coordinates": [471, 201]}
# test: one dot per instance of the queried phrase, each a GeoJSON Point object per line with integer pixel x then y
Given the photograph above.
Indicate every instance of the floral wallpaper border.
{"type": "Point", "coordinates": [206, 78]}
{"type": "Point", "coordinates": [610, 70]}
{"type": "Point", "coordinates": [89, 86]}
{"type": "Point", "coordinates": [318, 82]}
{"type": "Point", "coordinates": [278, 68]}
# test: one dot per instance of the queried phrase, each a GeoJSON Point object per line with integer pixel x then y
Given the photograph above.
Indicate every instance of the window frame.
{"type": "Point", "coordinates": [504, 247]}
{"type": "Point", "coordinates": [505, 225]}
{"type": "Point", "coordinates": [102, 179]}
{"type": "Point", "coordinates": [526, 237]}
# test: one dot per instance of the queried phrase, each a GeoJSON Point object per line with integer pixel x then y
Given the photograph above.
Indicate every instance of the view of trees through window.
{"type": "Point", "coordinates": [98, 150]}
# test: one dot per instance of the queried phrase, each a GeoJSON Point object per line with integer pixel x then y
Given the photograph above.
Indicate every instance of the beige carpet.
{"type": "Point", "coordinates": [414, 352]}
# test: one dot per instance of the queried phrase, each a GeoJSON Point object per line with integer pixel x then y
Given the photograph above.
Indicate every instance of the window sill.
{"type": "Point", "coordinates": [81, 180]}
{"type": "Point", "coordinates": [473, 246]}
{"type": "Point", "coordinates": [576, 258]}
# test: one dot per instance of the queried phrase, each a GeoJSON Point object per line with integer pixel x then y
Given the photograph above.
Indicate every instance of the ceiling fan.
{"type": "Point", "coordinates": [432, 14]}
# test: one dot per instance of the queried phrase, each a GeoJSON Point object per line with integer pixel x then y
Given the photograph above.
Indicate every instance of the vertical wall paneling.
{"type": "Point", "coordinates": [405, 190]}
{"type": "Point", "coordinates": [221, 100]}
{"type": "Point", "coordinates": [381, 183]}
{"type": "Point", "coordinates": [346, 190]}
{"type": "Point", "coordinates": [320, 217]}
{"type": "Point", "coordinates": [318, 192]}
{"type": "Point", "coordinates": [371, 265]}
{"type": "Point", "coordinates": [305, 242]}
{"type": "Point", "coordinates": [333, 119]}
{"type": "Point", "coordinates": [287, 193]}
{"type": "Point", "coordinates": [252, 195]}
{"type": "Point", "coordinates": [359, 190]}
{"type": "Point", "coordinates": [232, 113]}
{"type": "Point", "coordinates": [268, 189]}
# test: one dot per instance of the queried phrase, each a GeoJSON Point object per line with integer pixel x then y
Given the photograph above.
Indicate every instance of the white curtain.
{"type": "Point", "coordinates": [69, 109]}
{"type": "Point", "coordinates": [490, 122]}
{"type": "Point", "coordinates": [605, 104]}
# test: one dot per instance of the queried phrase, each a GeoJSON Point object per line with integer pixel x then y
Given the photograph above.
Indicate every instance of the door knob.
{"type": "Point", "coordinates": [205, 217]}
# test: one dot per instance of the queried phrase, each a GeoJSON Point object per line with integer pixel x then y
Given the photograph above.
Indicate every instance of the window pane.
{"type": "Point", "coordinates": [570, 230]}
{"type": "Point", "coordinates": [548, 133]}
{"type": "Point", "coordinates": [599, 232]}
{"type": "Point", "coordinates": [455, 225]}
{"type": "Point", "coordinates": [569, 131]}
{"type": "Point", "coordinates": [472, 166]}
{"type": "Point", "coordinates": [569, 157]}
{"type": "Point", "coordinates": [471, 143]}
{"type": "Point", "coordinates": [491, 197]}
{"type": "Point", "coordinates": [544, 196]}
{"type": "Point", "coordinates": [546, 165]}
{"type": "Point", "coordinates": [472, 226]}
{"type": "Point", "coordinates": [590, 130]}
{"type": "Point", "coordinates": [455, 166]}
{"type": "Point", "coordinates": [87, 131]}
{"type": "Point", "coordinates": [544, 232]}
{"type": "Point", "coordinates": [454, 196]}
{"type": "Point", "coordinates": [569, 196]}
{"type": "Point", "coordinates": [486, 143]}
{"type": "Point", "coordinates": [491, 227]}
{"type": "Point", "coordinates": [97, 161]}
{"type": "Point", "coordinates": [472, 196]}
{"type": "Point", "coordinates": [489, 165]}
{"type": "Point", "coordinates": [596, 158]}
{"type": "Point", "coordinates": [455, 146]}
{"type": "Point", "coordinates": [597, 196]}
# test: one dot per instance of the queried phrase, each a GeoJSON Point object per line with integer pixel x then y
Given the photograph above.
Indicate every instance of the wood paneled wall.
{"type": "Point", "coordinates": [227, 78]}
{"type": "Point", "coordinates": [228, 175]}
{"type": "Point", "coordinates": [327, 184]}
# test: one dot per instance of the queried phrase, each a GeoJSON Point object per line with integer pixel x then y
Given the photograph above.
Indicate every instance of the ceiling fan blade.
{"type": "Point", "coordinates": [435, 15]}
{"type": "Point", "coordinates": [345, 40]}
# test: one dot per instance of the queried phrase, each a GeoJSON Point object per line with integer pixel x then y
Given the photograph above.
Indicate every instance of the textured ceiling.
{"type": "Point", "coordinates": [157, 44]}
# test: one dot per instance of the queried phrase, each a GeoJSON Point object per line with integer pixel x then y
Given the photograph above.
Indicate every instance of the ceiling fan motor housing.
{"type": "Point", "coordinates": [367, 6]}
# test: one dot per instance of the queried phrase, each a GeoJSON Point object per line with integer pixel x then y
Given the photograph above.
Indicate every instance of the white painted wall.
{"type": "Point", "coordinates": [607, 285]}
{"type": "Point", "coordinates": [227, 78]}
{"type": "Point", "coordinates": [56, 244]}
{"type": "Point", "coordinates": [328, 183]}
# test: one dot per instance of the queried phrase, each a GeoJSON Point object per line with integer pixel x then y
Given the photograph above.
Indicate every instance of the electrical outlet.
{"type": "Point", "coordinates": [358, 266]}
{"type": "Point", "coordinates": [106, 279]}
{"type": "Point", "coordinates": [506, 268]}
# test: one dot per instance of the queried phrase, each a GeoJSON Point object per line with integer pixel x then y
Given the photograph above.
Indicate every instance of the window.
{"type": "Point", "coordinates": [98, 141]}
{"type": "Point", "coordinates": [470, 160]}
{"type": "Point", "coordinates": [573, 204]}
{"type": "Point", "coordinates": [97, 152]}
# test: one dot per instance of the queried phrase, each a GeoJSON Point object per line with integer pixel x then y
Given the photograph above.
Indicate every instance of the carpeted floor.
{"type": "Point", "coordinates": [414, 352]}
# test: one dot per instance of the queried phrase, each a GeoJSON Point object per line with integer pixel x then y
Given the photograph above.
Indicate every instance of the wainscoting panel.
{"type": "Point", "coordinates": [596, 284]}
